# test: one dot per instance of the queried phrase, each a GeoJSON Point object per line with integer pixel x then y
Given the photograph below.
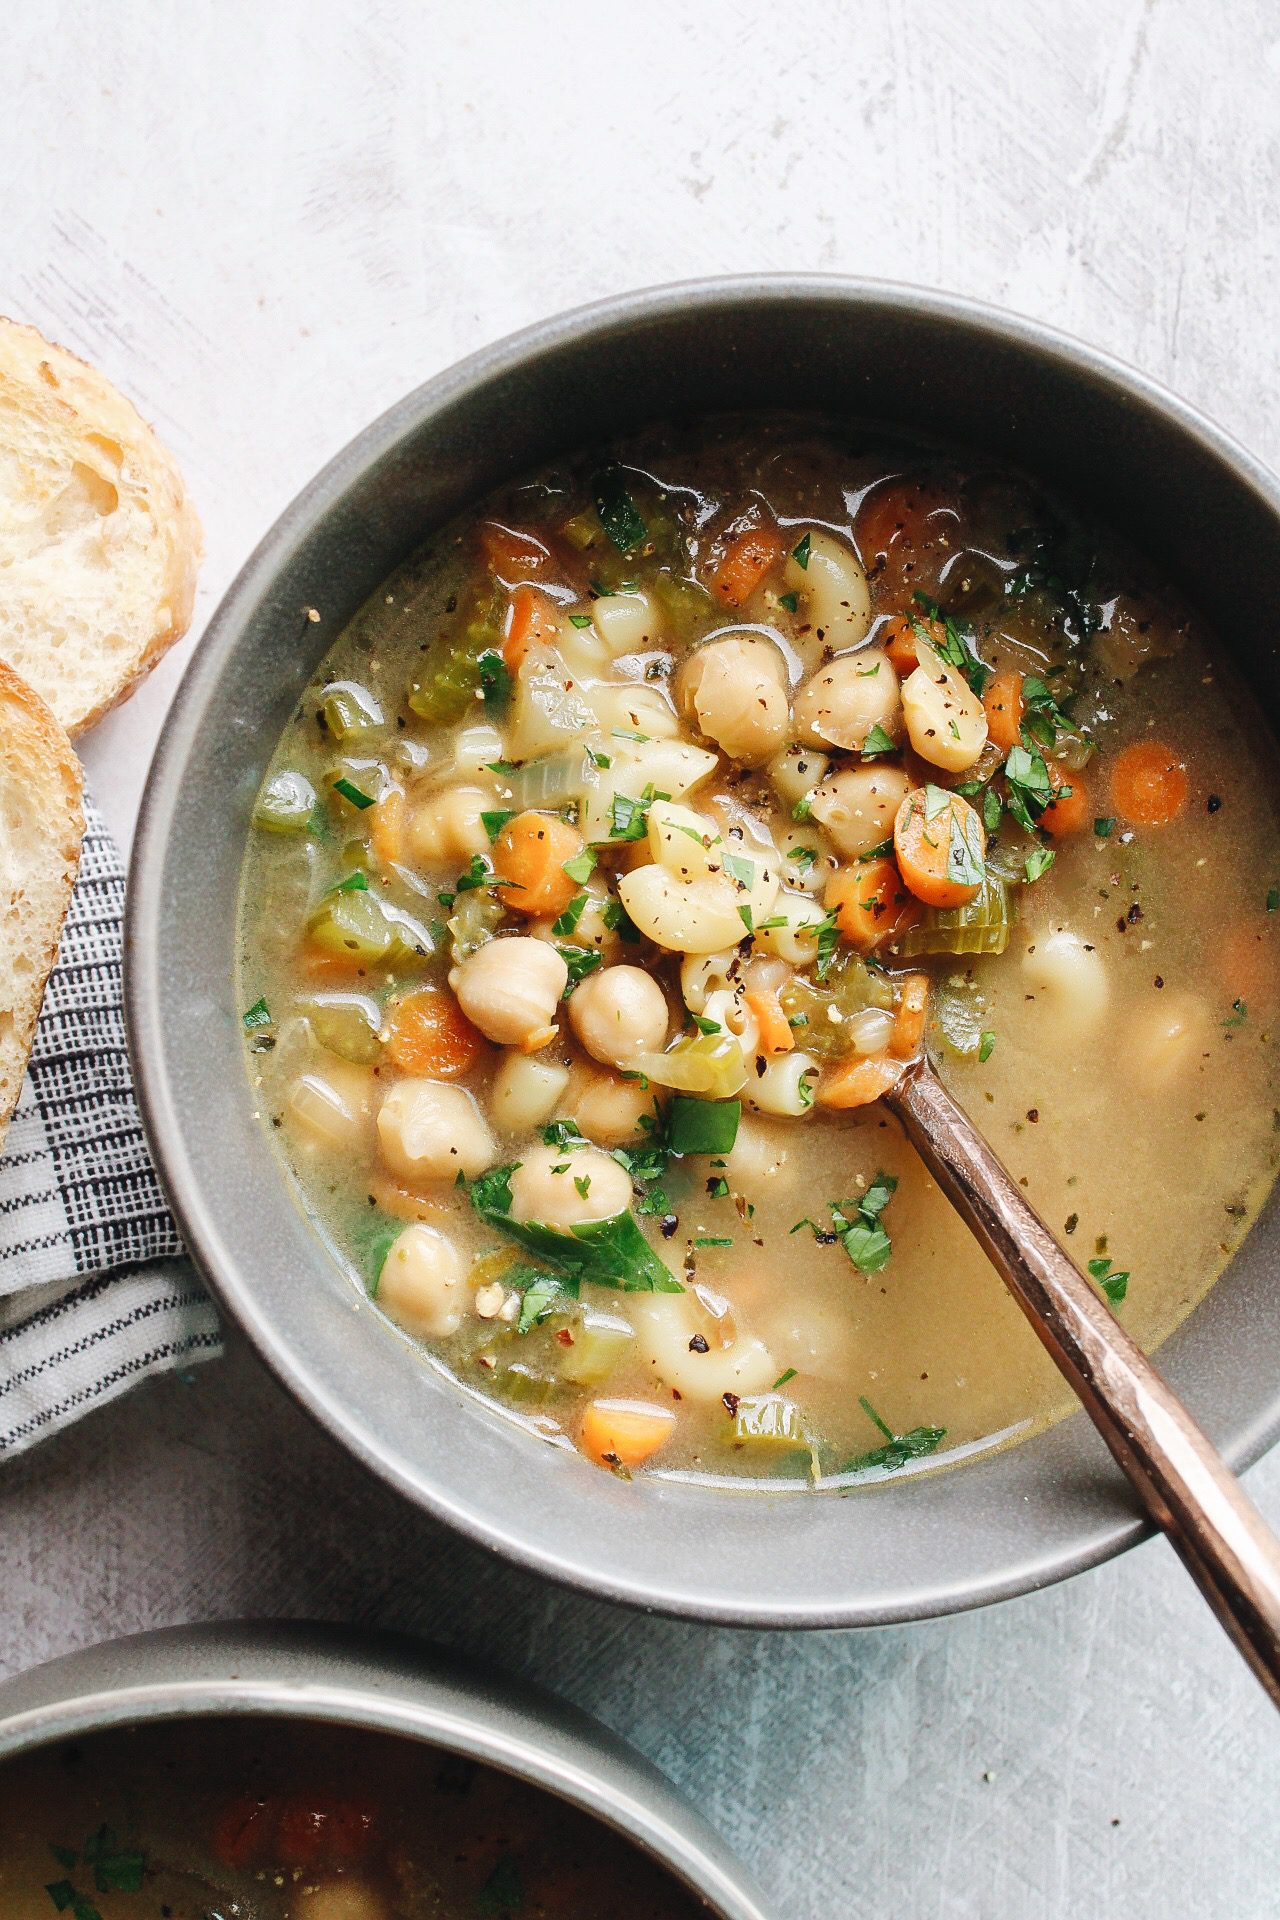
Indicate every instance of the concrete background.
{"type": "Point", "coordinates": [268, 222]}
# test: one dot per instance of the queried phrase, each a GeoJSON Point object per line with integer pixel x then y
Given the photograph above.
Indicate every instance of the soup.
{"type": "Point", "coordinates": [635, 838]}
{"type": "Point", "coordinates": [231, 1820]}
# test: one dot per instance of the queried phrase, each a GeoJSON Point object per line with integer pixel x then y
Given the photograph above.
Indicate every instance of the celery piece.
{"type": "Point", "coordinates": [347, 1024]}
{"type": "Point", "coordinates": [689, 608]}
{"type": "Point", "coordinates": [451, 686]}
{"type": "Point", "coordinates": [349, 710]}
{"type": "Point", "coordinates": [366, 926]}
{"type": "Point", "coordinates": [850, 988]}
{"type": "Point", "coordinates": [478, 913]}
{"type": "Point", "coordinates": [982, 925]}
{"type": "Point", "coordinates": [768, 1420]}
{"type": "Point", "coordinates": [285, 804]}
{"type": "Point", "coordinates": [600, 1342]}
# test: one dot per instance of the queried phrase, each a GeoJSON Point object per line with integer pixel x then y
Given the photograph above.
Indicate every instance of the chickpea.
{"type": "Point", "coordinates": [609, 1110]}
{"type": "Point", "coordinates": [1068, 978]}
{"type": "Point", "coordinates": [421, 1283]}
{"type": "Point", "coordinates": [510, 989]}
{"type": "Point", "coordinates": [858, 807]}
{"type": "Point", "coordinates": [331, 1109]}
{"type": "Point", "coordinates": [430, 1131]}
{"type": "Point", "coordinates": [735, 689]}
{"type": "Point", "coordinates": [839, 704]}
{"type": "Point", "coordinates": [525, 1090]}
{"type": "Point", "coordinates": [443, 828]}
{"type": "Point", "coordinates": [567, 1187]}
{"type": "Point", "coordinates": [591, 928]}
{"type": "Point", "coordinates": [619, 1012]}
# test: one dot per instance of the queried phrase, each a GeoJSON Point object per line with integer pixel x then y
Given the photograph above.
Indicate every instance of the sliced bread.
{"type": "Point", "coordinates": [99, 544]}
{"type": "Point", "coordinates": [41, 826]}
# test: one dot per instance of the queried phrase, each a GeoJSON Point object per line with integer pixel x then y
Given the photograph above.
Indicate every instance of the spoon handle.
{"type": "Point", "coordinates": [1182, 1481]}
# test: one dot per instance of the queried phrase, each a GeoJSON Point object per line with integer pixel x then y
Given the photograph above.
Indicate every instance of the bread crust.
{"type": "Point", "coordinates": [57, 376]}
{"type": "Point", "coordinates": [35, 749]}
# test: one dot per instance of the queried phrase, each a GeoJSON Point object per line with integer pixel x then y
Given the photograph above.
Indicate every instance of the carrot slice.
{"type": "Point", "coordinates": [1002, 700]}
{"type": "Point", "coordinates": [871, 905]}
{"type": "Point", "coordinates": [623, 1433]}
{"type": "Point", "coordinates": [1068, 811]}
{"type": "Point", "coordinates": [386, 831]}
{"type": "Point", "coordinates": [859, 1080]}
{"type": "Point", "coordinates": [429, 1035]}
{"type": "Point", "coordinates": [899, 638]}
{"type": "Point", "coordinates": [1149, 784]}
{"type": "Point", "coordinates": [530, 853]}
{"type": "Point", "coordinates": [746, 560]}
{"type": "Point", "coordinates": [514, 556]}
{"type": "Point", "coordinates": [938, 839]}
{"type": "Point", "coordinates": [531, 616]}
{"type": "Point", "coordinates": [775, 1029]}
{"type": "Point", "coordinates": [898, 525]}
{"type": "Point", "coordinates": [908, 1016]}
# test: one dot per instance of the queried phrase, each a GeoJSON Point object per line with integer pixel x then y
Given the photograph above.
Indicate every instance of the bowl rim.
{"type": "Point", "coordinates": [382, 1683]}
{"type": "Point", "coordinates": [1035, 1564]}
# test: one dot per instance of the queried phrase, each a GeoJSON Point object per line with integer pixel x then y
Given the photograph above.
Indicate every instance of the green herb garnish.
{"type": "Point", "coordinates": [857, 1222]}
{"type": "Point", "coordinates": [899, 1448]}
{"type": "Point", "coordinates": [581, 867]}
{"type": "Point", "coordinates": [354, 794]}
{"type": "Point", "coordinates": [256, 1016]}
{"type": "Point", "coordinates": [494, 822]}
{"type": "Point", "coordinates": [876, 743]}
{"type": "Point", "coordinates": [703, 1126]}
{"type": "Point", "coordinates": [800, 553]}
{"type": "Point", "coordinates": [580, 961]}
{"type": "Point", "coordinates": [619, 515]}
{"type": "Point", "coordinates": [1038, 862]}
{"type": "Point", "coordinates": [607, 1253]}
{"type": "Point", "coordinates": [790, 601]}
{"type": "Point", "coordinates": [1115, 1285]}
{"type": "Point", "coordinates": [495, 681]}
{"type": "Point", "coordinates": [986, 1045]}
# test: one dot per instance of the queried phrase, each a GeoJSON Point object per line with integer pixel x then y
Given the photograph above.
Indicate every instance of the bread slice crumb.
{"type": "Point", "coordinates": [99, 543]}
{"type": "Point", "coordinates": [41, 827]}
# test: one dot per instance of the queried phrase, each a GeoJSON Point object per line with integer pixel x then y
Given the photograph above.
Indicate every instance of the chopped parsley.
{"type": "Point", "coordinates": [494, 822]}
{"type": "Point", "coordinates": [789, 600]}
{"type": "Point", "coordinates": [898, 1448]}
{"type": "Point", "coordinates": [1030, 788]}
{"type": "Point", "coordinates": [782, 1380]}
{"type": "Point", "coordinates": [1238, 1015]}
{"type": "Point", "coordinates": [876, 743]}
{"type": "Point", "coordinates": [859, 1226]}
{"type": "Point", "coordinates": [354, 883]}
{"type": "Point", "coordinates": [713, 1240]}
{"type": "Point", "coordinates": [628, 817]}
{"type": "Point", "coordinates": [1273, 899]}
{"type": "Point", "coordinates": [567, 922]}
{"type": "Point", "coordinates": [581, 867]}
{"type": "Point", "coordinates": [802, 808]}
{"type": "Point", "coordinates": [619, 515]}
{"type": "Point", "coordinates": [986, 1045]}
{"type": "Point", "coordinates": [580, 961]}
{"type": "Point", "coordinates": [495, 681]}
{"type": "Point", "coordinates": [1043, 718]}
{"type": "Point", "coordinates": [800, 553]}
{"type": "Point", "coordinates": [256, 1016]}
{"type": "Point", "coordinates": [964, 847]}
{"type": "Point", "coordinates": [579, 620]}
{"type": "Point", "coordinates": [992, 810]}
{"type": "Point", "coordinates": [598, 759]}
{"type": "Point", "coordinates": [1105, 826]}
{"type": "Point", "coordinates": [1115, 1285]}
{"type": "Point", "coordinates": [1038, 862]}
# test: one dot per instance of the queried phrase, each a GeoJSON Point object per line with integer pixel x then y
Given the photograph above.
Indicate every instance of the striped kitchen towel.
{"type": "Point", "coordinates": [95, 1292]}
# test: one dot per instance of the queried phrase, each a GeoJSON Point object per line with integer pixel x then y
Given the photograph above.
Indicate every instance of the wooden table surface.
{"type": "Point", "coordinates": [267, 222]}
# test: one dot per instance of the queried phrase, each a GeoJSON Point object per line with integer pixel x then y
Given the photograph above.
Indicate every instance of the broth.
{"type": "Point", "coordinates": [234, 1820]}
{"type": "Point", "coordinates": [1093, 914]}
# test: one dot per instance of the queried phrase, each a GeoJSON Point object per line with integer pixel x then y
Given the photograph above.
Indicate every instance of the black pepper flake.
{"type": "Point", "coordinates": [1135, 914]}
{"type": "Point", "coordinates": [731, 1403]}
{"type": "Point", "coordinates": [698, 1344]}
{"type": "Point", "coordinates": [1033, 1114]}
{"type": "Point", "coordinates": [668, 1224]}
{"type": "Point", "coordinates": [1213, 803]}
{"type": "Point", "coordinates": [1071, 1222]}
{"type": "Point", "coordinates": [1159, 980]}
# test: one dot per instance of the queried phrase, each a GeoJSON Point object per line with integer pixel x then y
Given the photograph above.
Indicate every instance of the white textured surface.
{"type": "Point", "coordinates": [266, 222]}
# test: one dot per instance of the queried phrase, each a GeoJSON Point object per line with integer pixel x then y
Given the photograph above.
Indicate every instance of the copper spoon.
{"type": "Point", "coordinates": [1180, 1478]}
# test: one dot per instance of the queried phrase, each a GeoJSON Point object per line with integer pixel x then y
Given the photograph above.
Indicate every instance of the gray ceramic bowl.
{"type": "Point", "coordinates": [917, 361]}
{"type": "Point", "coordinates": [385, 1685]}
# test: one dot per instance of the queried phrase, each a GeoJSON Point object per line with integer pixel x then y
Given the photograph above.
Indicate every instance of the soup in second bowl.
{"type": "Point", "coordinates": [632, 841]}
{"type": "Point", "coordinates": [236, 1820]}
